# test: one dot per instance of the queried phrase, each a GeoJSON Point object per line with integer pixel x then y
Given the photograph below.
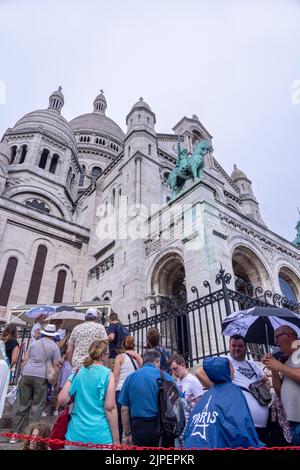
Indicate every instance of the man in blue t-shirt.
{"type": "Point", "coordinates": [139, 400]}
{"type": "Point", "coordinates": [116, 332]}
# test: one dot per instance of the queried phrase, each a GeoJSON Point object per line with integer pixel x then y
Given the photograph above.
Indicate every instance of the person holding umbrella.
{"type": "Point", "coordinates": [286, 376]}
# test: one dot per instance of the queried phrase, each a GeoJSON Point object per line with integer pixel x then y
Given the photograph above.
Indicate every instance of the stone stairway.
{"type": "Point", "coordinates": [6, 423]}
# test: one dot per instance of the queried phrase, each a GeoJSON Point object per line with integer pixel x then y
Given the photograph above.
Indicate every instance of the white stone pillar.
{"type": "Point", "coordinates": [138, 167]}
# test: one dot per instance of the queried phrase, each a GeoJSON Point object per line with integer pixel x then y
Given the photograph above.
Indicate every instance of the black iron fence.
{"type": "Point", "coordinates": [194, 329]}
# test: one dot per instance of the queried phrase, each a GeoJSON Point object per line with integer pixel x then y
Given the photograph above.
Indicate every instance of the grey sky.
{"type": "Point", "coordinates": [230, 62]}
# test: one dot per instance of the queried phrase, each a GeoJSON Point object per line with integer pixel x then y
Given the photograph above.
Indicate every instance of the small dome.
{"type": "Point", "coordinates": [141, 104]}
{"type": "Point", "coordinates": [100, 103]}
{"type": "Point", "coordinates": [237, 174]}
{"type": "Point", "coordinates": [50, 122]}
{"type": "Point", "coordinates": [98, 123]}
{"type": "Point", "coordinates": [56, 100]}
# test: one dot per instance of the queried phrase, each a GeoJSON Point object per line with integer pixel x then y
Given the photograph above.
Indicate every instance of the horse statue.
{"type": "Point", "coordinates": [188, 167]}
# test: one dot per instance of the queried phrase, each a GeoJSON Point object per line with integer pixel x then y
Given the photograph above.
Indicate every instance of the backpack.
{"type": "Point", "coordinates": [170, 407]}
{"type": "Point", "coordinates": [121, 333]}
{"type": "Point", "coordinates": [164, 357]}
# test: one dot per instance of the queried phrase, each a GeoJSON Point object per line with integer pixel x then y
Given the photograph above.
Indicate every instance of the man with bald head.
{"type": "Point", "coordinates": [286, 377]}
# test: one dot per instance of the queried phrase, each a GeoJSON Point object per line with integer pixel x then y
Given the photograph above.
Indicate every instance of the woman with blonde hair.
{"type": "Point", "coordinates": [125, 363]}
{"type": "Point", "coordinates": [94, 413]}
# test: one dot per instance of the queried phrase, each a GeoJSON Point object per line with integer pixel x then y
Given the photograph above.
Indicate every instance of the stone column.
{"type": "Point", "coordinates": [138, 167]}
{"type": "Point", "coordinates": [47, 167]}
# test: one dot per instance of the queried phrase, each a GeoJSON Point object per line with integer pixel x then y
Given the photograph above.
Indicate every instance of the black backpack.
{"type": "Point", "coordinates": [170, 409]}
{"type": "Point", "coordinates": [121, 333]}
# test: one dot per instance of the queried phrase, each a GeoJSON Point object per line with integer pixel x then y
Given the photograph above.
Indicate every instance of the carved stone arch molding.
{"type": "Point", "coordinates": [167, 274]}
{"type": "Point", "coordinates": [59, 266]}
{"type": "Point", "coordinates": [31, 192]}
{"type": "Point", "coordinates": [36, 243]}
{"type": "Point", "coordinates": [289, 272]}
{"type": "Point", "coordinates": [249, 264]}
{"type": "Point", "coordinates": [155, 259]}
{"type": "Point", "coordinates": [6, 254]}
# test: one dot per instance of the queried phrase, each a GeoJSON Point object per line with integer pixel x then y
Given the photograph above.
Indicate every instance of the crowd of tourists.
{"type": "Point", "coordinates": [118, 394]}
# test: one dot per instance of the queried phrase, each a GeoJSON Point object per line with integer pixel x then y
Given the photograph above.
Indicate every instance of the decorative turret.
{"type": "Point", "coordinates": [247, 197]}
{"type": "Point", "coordinates": [141, 117]}
{"type": "Point", "coordinates": [297, 239]}
{"type": "Point", "coordinates": [56, 100]}
{"type": "Point", "coordinates": [100, 104]}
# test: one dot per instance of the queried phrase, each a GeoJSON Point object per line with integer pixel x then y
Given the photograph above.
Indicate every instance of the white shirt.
{"type": "Point", "coordinates": [191, 389]}
{"type": "Point", "coordinates": [244, 375]}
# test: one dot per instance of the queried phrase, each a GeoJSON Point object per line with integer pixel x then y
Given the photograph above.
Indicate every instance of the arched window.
{"type": "Point", "coordinates": [81, 180]}
{"type": "Point", "coordinates": [44, 158]}
{"type": "Point", "coordinates": [37, 275]}
{"type": "Point", "coordinates": [8, 280]}
{"type": "Point", "coordinates": [96, 171]}
{"type": "Point", "coordinates": [287, 288]}
{"type": "Point", "coordinates": [53, 164]}
{"type": "Point", "coordinates": [60, 286]}
{"type": "Point", "coordinates": [23, 154]}
{"type": "Point", "coordinates": [13, 154]}
{"type": "Point", "coordinates": [113, 199]}
{"type": "Point", "coordinates": [149, 149]}
{"type": "Point", "coordinates": [148, 120]}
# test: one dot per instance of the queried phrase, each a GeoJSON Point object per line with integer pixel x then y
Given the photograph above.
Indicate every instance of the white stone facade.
{"type": "Point", "coordinates": [56, 192]}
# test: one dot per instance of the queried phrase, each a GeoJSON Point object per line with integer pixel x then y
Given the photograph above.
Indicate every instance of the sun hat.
{"type": "Point", "coordinates": [49, 330]}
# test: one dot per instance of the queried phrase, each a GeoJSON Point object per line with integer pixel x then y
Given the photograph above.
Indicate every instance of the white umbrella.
{"type": "Point", "coordinates": [70, 317]}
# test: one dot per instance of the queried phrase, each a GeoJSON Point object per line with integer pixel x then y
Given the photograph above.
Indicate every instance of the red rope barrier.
{"type": "Point", "coordinates": [89, 445]}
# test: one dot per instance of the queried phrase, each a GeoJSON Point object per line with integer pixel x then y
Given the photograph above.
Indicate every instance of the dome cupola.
{"type": "Point", "coordinates": [56, 100]}
{"type": "Point", "coordinates": [100, 104]}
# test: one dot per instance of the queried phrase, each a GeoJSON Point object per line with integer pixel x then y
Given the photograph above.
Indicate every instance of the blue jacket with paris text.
{"type": "Point", "coordinates": [221, 419]}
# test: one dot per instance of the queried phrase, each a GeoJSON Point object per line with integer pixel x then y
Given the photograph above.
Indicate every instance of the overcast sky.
{"type": "Point", "coordinates": [231, 62]}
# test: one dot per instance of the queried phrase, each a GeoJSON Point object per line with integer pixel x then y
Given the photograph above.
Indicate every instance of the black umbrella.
{"type": "Point", "coordinates": [257, 324]}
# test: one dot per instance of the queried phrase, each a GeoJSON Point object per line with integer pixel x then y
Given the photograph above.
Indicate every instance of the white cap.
{"type": "Point", "coordinates": [91, 312]}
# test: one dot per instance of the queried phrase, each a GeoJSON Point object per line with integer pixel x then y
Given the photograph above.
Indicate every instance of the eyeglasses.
{"type": "Point", "coordinates": [277, 336]}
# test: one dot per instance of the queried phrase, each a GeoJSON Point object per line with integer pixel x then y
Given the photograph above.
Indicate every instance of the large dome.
{"type": "Point", "coordinates": [50, 122]}
{"type": "Point", "coordinates": [98, 123]}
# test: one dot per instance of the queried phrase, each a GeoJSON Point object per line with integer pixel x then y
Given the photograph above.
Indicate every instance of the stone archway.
{"type": "Point", "coordinates": [289, 284]}
{"type": "Point", "coordinates": [248, 267]}
{"type": "Point", "coordinates": [168, 279]}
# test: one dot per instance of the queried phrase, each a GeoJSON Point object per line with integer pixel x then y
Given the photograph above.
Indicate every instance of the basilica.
{"type": "Point", "coordinates": [87, 215]}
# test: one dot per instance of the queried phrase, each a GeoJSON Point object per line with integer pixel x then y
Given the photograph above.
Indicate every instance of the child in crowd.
{"type": "Point", "coordinates": [34, 430]}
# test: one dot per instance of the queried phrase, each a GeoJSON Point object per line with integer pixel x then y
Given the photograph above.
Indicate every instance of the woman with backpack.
{"type": "Point", "coordinates": [125, 363]}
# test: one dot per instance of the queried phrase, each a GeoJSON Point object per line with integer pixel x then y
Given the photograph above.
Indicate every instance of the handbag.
{"type": "Point", "coordinates": [60, 427]}
{"type": "Point", "coordinates": [12, 395]}
{"type": "Point", "coordinates": [260, 392]}
{"type": "Point", "coordinates": [51, 374]}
